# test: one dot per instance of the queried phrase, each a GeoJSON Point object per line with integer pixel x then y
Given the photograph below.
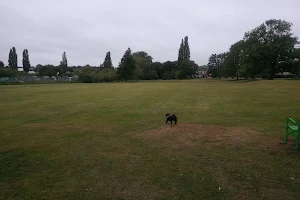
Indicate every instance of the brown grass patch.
{"type": "Point", "coordinates": [191, 135]}
{"type": "Point", "coordinates": [135, 189]}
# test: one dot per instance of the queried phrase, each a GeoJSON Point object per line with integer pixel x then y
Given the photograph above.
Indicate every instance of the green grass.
{"type": "Point", "coordinates": [110, 141]}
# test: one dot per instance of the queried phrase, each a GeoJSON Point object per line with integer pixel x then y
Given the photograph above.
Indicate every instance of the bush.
{"type": "Point", "coordinates": [168, 75]}
{"type": "Point", "coordinates": [7, 72]}
{"type": "Point", "coordinates": [179, 74]}
{"type": "Point", "coordinates": [92, 75]}
{"type": "Point", "coordinates": [108, 75]}
{"type": "Point", "coordinates": [151, 75]}
{"type": "Point", "coordinates": [86, 75]}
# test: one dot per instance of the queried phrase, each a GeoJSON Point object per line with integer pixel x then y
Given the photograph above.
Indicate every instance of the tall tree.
{"type": "Point", "coordinates": [1, 64]}
{"type": "Point", "coordinates": [64, 63]}
{"type": "Point", "coordinates": [269, 44]}
{"type": "Point", "coordinates": [46, 70]}
{"type": "Point", "coordinates": [158, 67]}
{"type": "Point", "coordinates": [26, 62]}
{"type": "Point", "coordinates": [234, 59]}
{"type": "Point", "coordinates": [126, 66]}
{"type": "Point", "coordinates": [215, 64]}
{"type": "Point", "coordinates": [181, 52]}
{"type": "Point", "coordinates": [107, 61]}
{"type": "Point", "coordinates": [185, 68]}
{"type": "Point", "coordinates": [294, 64]}
{"type": "Point", "coordinates": [13, 59]}
{"type": "Point", "coordinates": [168, 70]}
{"type": "Point", "coordinates": [186, 51]}
{"type": "Point", "coordinates": [142, 54]}
{"type": "Point", "coordinates": [143, 66]}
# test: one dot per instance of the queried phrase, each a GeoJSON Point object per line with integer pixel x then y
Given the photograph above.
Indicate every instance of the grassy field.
{"type": "Point", "coordinates": [110, 141]}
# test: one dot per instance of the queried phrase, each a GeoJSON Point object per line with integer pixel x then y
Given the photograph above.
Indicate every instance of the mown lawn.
{"type": "Point", "coordinates": [110, 140]}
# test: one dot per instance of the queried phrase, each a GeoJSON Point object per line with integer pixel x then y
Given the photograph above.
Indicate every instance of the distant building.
{"type": "Point", "coordinates": [285, 74]}
{"type": "Point", "coordinates": [202, 74]}
{"type": "Point", "coordinates": [31, 70]}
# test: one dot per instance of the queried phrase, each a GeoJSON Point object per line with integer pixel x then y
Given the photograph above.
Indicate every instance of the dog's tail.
{"type": "Point", "coordinates": [175, 118]}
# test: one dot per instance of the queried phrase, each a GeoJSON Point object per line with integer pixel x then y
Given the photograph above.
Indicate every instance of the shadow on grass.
{"type": "Point", "coordinates": [256, 80]}
{"type": "Point", "coordinates": [16, 163]}
{"type": "Point", "coordinates": [242, 80]}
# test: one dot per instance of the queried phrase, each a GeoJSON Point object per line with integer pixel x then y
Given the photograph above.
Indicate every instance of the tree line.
{"type": "Point", "coordinates": [268, 49]}
{"type": "Point", "coordinates": [133, 66]}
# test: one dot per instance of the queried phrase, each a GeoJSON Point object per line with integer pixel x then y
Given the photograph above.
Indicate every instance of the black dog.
{"type": "Point", "coordinates": [171, 118]}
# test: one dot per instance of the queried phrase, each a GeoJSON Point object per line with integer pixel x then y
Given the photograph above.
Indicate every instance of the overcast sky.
{"type": "Point", "coordinates": [87, 29]}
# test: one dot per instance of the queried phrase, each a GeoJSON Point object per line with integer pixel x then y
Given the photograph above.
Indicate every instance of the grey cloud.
{"type": "Point", "coordinates": [87, 29]}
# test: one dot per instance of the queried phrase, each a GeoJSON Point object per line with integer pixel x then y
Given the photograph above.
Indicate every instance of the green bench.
{"type": "Point", "coordinates": [292, 128]}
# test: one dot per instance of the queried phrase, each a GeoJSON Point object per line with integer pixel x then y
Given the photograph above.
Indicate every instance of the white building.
{"type": "Point", "coordinates": [20, 69]}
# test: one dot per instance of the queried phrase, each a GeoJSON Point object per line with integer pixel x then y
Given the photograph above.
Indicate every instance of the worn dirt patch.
{"type": "Point", "coordinates": [191, 135]}
{"type": "Point", "coordinates": [135, 189]}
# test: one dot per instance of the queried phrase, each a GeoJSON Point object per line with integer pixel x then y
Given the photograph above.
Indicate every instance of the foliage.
{"type": "Point", "coordinates": [181, 51]}
{"type": "Point", "coordinates": [126, 66]}
{"type": "Point", "coordinates": [269, 44]}
{"type": "Point", "coordinates": [87, 75]}
{"type": "Point", "coordinates": [107, 61]}
{"type": "Point", "coordinates": [264, 51]}
{"type": "Point", "coordinates": [63, 64]}
{"type": "Point", "coordinates": [13, 59]}
{"type": "Point", "coordinates": [143, 66]}
{"type": "Point", "coordinates": [184, 50]}
{"type": "Point", "coordinates": [233, 59]}
{"type": "Point", "coordinates": [47, 70]}
{"type": "Point", "coordinates": [142, 54]}
{"type": "Point", "coordinates": [1, 64]}
{"type": "Point", "coordinates": [294, 64]}
{"type": "Point", "coordinates": [26, 62]}
{"type": "Point", "coordinates": [203, 67]}
{"type": "Point", "coordinates": [8, 72]}
{"type": "Point", "coordinates": [215, 64]}
{"type": "Point", "coordinates": [158, 67]}
{"type": "Point", "coordinates": [168, 70]}
{"type": "Point", "coordinates": [167, 75]}
{"type": "Point", "coordinates": [108, 75]}
{"type": "Point", "coordinates": [92, 75]}
{"type": "Point", "coordinates": [186, 69]}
